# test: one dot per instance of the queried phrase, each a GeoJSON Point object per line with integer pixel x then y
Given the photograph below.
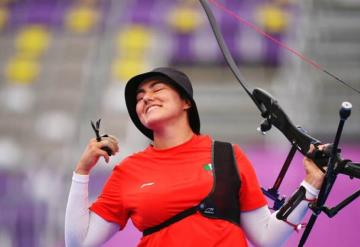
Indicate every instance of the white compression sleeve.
{"type": "Point", "coordinates": [82, 227]}
{"type": "Point", "coordinates": [263, 228]}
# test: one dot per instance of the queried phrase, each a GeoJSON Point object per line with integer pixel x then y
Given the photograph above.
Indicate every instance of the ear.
{"type": "Point", "coordinates": [187, 104]}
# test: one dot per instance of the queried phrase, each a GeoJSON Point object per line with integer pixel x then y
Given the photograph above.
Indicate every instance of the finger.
{"type": "Point", "coordinates": [116, 147]}
{"type": "Point", "coordinates": [310, 152]}
{"type": "Point", "coordinates": [312, 147]}
{"type": "Point", "coordinates": [93, 140]}
{"type": "Point", "coordinates": [113, 138]}
{"type": "Point", "coordinates": [104, 154]}
{"type": "Point", "coordinates": [322, 147]}
{"type": "Point", "coordinates": [111, 145]}
{"type": "Point", "coordinates": [109, 149]}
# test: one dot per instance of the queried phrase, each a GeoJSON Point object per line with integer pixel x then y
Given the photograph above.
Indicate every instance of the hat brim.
{"type": "Point", "coordinates": [130, 99]}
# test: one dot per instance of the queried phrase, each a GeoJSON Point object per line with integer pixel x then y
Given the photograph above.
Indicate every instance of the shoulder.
{"type": "Point", "coordinates": [238, 151]}
{"type": "Point", "coordinates": [242, 161]}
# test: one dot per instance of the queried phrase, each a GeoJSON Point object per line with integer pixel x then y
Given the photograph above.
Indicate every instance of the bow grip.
{"type": "Point", "coordinates": [320, 157]}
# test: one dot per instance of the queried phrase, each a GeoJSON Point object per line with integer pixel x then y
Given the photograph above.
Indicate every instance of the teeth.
{"type": "Point", "coordinates": [151, 107]}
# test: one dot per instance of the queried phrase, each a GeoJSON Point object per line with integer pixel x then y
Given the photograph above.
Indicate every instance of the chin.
{"type": "Point", "coordinates": [155, 122]}
{"type": "Point", "coordinates": [152, 123]}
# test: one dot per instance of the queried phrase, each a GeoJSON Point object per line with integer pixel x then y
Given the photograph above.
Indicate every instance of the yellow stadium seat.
{"type": "Point", "coordinates": [184, 19]}
{"type": "Point", "coordinates": [134, 40]}
{"type": "Point", "coordinates": [32, 41]}
{"type": "Point", "coordinates": [123, 69]}
{"type": "Point", "coordinates": [81, 19]}
{"type": "Point", "coordinates": [22, 70]}
{"type": "Point", "coordinates": [273, 18]}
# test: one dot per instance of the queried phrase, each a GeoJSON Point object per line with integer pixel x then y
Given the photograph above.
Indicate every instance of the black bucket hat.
{"type": "Point", "coordinates": [173, 77]}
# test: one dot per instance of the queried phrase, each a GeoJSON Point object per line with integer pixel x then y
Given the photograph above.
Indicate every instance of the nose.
{"type": "Point", "coordinates": [148, 96]}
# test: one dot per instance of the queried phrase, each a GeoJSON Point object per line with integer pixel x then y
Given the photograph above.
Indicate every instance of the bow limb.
{"type": "Point", "coordinates": [272, 39]}
{"type": "Point", "coordinates": [268, 106]}
{"type": "Point", "coordinates": [225, 51]}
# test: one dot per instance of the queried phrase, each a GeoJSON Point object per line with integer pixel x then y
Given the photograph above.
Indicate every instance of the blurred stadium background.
{"type": "Point", "coordinates": [65, 62]}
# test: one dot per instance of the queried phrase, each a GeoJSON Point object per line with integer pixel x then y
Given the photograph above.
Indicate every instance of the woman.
{"type": "Point", "coordinates": [172, 174]}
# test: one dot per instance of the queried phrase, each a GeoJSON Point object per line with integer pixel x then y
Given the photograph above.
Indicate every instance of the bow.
{"type": "Point", "coordinates": [274, 116]}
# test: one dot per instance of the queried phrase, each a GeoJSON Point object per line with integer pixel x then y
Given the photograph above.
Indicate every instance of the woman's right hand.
{"type": "Point", "coordinates": [93, 152]}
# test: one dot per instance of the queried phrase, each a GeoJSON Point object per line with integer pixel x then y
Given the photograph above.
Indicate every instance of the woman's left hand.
{"type": "Point", "coordinates": [314, 176]}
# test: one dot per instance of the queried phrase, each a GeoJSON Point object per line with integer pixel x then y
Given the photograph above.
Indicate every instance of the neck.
{"type": "Point", "coordinates": [172, 137]}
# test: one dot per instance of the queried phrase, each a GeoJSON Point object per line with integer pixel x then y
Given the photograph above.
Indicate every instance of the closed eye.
{"type": "Point", "coordinates": [139, 97]}
{"type": "Point", "coordinates": [158, 87]}
{"type": "Point", "coordinates": [155, 87]}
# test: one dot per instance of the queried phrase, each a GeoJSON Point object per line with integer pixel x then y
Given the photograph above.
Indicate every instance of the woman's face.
{"type": "Point", "coordinates": [159, 104]}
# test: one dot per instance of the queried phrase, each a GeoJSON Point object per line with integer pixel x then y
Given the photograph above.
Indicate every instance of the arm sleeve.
{"type": "Point", "coordinates": [110, 203]}
{"type": "Point", "coordinates": [263, 228]}
{"type": "Point", "coordinates": [83, 228]}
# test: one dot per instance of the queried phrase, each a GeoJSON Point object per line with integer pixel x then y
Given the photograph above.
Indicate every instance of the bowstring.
{"type": "Point", "coordinates": [281, 44]}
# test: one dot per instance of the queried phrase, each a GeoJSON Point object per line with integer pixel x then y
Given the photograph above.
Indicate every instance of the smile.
{"type": "Point", "coordinates": [150, 108]}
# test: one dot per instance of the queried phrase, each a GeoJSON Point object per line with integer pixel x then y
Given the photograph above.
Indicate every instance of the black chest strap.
{"type": "Point", "coordinates": [223, 201]}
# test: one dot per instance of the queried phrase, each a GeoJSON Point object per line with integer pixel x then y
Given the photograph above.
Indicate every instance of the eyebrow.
{"type": "Point", "coordinates": [155, 82]}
